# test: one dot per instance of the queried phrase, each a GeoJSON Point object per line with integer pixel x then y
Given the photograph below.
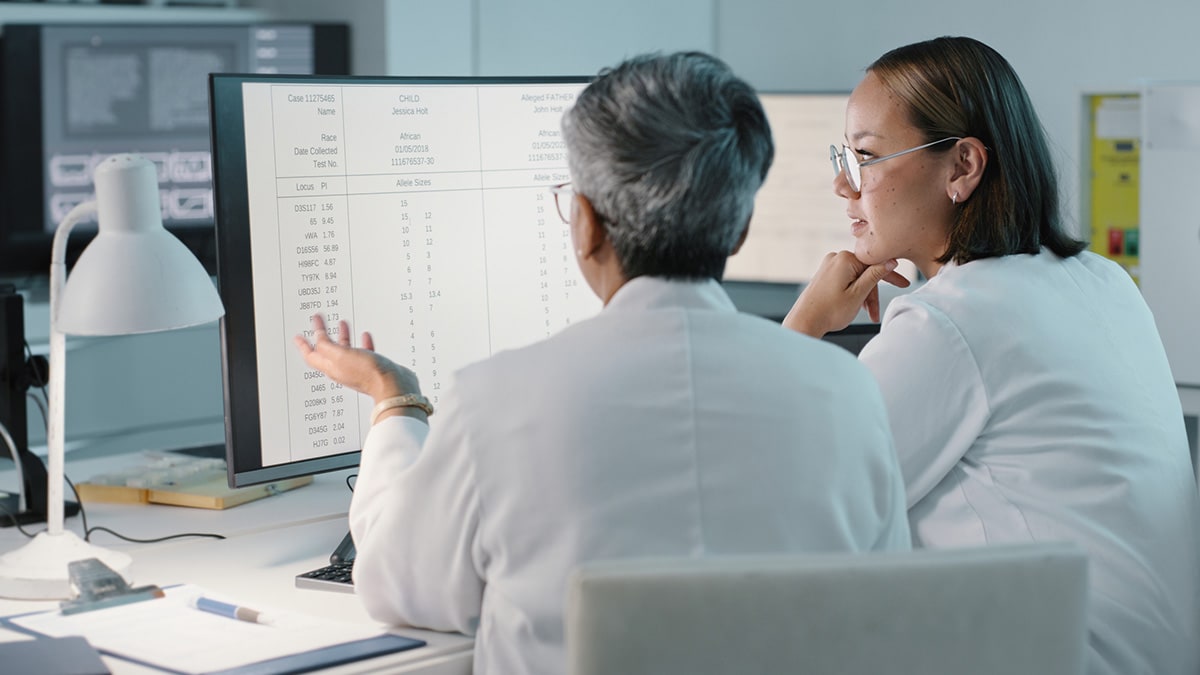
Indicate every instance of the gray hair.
{"type": "Point", "coordinates": [670, 151]}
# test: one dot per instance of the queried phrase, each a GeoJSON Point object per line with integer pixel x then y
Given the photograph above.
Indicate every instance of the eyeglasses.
{"type": "Point", "coordinates": [847, 160]}
{"type": "Point", "coordinates": [563, 195]}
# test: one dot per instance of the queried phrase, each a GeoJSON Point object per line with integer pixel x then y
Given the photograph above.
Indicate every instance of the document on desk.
{"type": "Point", "coordinates": [171, 633]}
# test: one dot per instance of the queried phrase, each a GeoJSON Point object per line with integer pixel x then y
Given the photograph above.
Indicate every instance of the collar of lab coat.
{"type": "Point", "coordinates": [644, 293]}
{"type": "Point", "coordinates": [951, 268]}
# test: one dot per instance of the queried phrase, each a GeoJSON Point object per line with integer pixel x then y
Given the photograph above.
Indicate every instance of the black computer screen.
{"type": "Point", "coordinates": [74, 94]}
{"type": "Point", "coordinates": [854, 337]}
{"type": "Point", "coordinates": [415, 208]}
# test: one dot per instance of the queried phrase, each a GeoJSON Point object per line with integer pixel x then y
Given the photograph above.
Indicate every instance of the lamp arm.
{"type": "Point", "coordinates": [58, 251]}
{"type": "Point", "coordinates": [55, 428]}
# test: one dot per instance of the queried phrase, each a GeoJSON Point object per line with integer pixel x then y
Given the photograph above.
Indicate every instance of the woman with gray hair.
{"type": "Point", "coordinates": [667, 425]}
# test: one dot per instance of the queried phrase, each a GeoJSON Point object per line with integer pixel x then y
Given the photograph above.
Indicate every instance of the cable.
{"type": "Point", "coordinates": [87, 531]}
{"type": "Point", "coordinates": [82, 511]}
{"type": "Point", "coordinates": [101, 528]}
{"type": "Point", "coordinates": [37, 400]}
{"type": "Point", "coordinates": [349, 478]}
{"type": "Point", "coordinates": [16, 456]}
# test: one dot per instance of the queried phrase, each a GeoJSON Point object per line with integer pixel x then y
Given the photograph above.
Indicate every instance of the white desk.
{"type": "Point", "coordinates": [268, 542]}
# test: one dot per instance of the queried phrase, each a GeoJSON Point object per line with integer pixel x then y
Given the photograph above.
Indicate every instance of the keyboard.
{"type": "Point", "coordinates": [333, 577]}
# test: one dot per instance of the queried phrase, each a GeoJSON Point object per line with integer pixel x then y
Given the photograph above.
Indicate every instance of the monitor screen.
{"type": "Point", "coordinates": [74, 94]}
{"type": "Point", "coordinates": [797, 217]}
{"type": "Point", "coordinates": [415, 208]}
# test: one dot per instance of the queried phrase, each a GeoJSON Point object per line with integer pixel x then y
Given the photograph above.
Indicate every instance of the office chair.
{"type": "Point", "coordinates": [984, 611]}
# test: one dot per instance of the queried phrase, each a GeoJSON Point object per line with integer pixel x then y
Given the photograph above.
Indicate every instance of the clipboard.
{"type": "Point", "coordinates": [171, 635]}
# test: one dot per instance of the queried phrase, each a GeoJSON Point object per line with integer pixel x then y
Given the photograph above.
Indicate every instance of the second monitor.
{"type": "Point", "coordinates": [797, 217]}
{"type": "Point", "coordinates": [71, 95]}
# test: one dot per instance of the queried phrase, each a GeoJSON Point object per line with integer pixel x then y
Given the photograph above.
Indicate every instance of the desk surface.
{"type": "Point", "coordinates": [268, 542]}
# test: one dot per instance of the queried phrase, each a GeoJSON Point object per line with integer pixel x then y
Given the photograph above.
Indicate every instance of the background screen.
{"type": "Point", "coordinates": [74, 94]}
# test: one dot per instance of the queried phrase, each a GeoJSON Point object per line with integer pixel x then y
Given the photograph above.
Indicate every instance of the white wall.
{"type": "Point", "coordinates": [1059, 47]}
{"type": "Point", "coordinates": [532, 37]}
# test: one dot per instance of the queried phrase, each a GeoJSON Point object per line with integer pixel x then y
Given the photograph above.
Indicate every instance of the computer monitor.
{"type": "Point", "coordinates": [73, 94]}
{"type": "Point", "coordinates": [415, 208]}
{"type": "Point", "coordinates": [797, 217]}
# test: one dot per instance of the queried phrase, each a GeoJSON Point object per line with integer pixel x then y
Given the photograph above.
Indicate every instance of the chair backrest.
{"type": "Point", "coordinates": [1017, 609]}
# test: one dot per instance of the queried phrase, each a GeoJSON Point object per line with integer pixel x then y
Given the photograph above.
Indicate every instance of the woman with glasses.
{"type": "Point", "coordinates": [1028, 391]}
{"type": "Point", "coordinates": [667, 425]}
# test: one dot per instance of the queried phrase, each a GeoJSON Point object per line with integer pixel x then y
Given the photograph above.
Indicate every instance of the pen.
{"type": "Point", "coordinates": [230, 611]}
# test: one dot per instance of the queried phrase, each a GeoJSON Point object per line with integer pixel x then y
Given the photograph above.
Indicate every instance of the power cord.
{"type": "Point", "coordinates": [41, 406]}
{"type": "Point", "coordinates": [39, 374]}
{"type": "Point", "coordinates": [181, 535]}
{"type": "Point", "coordinates": [100, 528]}
{"type": "Point", "coordinates": [16, 458]}
{"type": "Point", "coordinates": [87, 531]}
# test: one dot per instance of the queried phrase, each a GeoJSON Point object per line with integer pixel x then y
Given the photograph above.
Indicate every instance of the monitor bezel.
{"type": "Point", "coordinates": [239, 362]}
{"type": "Point", "coordinates": [24, 242]}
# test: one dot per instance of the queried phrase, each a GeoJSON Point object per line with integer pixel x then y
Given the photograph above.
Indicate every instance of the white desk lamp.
{"type": "Point", "coordinates": [134, 277]}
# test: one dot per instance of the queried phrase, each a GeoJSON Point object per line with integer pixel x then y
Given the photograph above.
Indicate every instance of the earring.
{"type": "Point", "coordinates": [954, 199]}
{"type": "Point", "coordinates": [578, 253]}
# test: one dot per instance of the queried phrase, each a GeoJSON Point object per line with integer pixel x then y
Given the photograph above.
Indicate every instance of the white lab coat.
{"type": "Point", "coordinates": [668, 425]}
{"type": "Point", "coordinates": [1031, 400]}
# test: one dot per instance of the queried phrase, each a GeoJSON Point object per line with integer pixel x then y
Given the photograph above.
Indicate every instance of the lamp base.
{"type": "Point", "coordinates": [38, 570]}
{"type": "Point", "coordinates": [9, 515]}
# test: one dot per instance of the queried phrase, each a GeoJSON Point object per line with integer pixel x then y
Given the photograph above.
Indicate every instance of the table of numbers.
{"type": "Point", "coordinates": [418, 212]}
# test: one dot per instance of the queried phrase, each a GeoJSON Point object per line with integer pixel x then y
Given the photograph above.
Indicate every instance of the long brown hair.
{"type": "Point", "coordinates": [958, 86]}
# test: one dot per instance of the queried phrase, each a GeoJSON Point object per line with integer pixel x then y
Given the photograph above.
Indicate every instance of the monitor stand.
{"type": "Point", "coordinates": [17, 375]}
{"type": "Point", "coordinates": [9, 513]}
{"type": "Point", "coordinates": [35, 483]}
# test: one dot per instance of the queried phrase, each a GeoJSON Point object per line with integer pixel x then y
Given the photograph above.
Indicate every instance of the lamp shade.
{"type": "Point", "coordinates": [134, 277]}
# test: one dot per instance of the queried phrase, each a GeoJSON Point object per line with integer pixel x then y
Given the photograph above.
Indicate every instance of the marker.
{"type": "Point", "coordinates": [230, 611]}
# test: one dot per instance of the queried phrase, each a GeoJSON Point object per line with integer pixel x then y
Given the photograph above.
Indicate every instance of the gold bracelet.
{"type": "Point", "coordinates": [405, 401]}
